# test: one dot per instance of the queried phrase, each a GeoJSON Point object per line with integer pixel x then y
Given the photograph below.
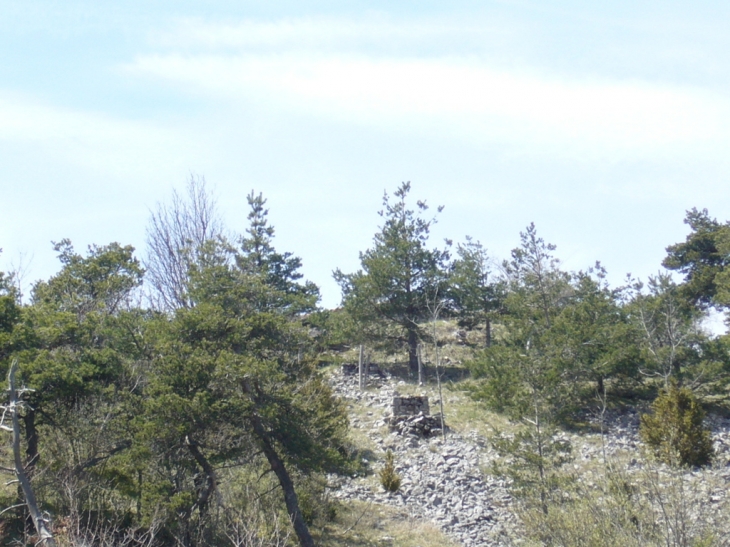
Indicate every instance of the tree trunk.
{"type": "Point", "coordinates": [277, 466]}
{"type": "Point", "coordinates": [39, 521]}
{"type": "Point", "coordinates": [488, 333]}
{"type": "Point", "coordinates": [413, 352]}
{"type": "Point", "coordinates": [210, 477]}
{"type": "Point", "coordinates": [360, 370]}
{"type": "Point", "coordinates": [290, 495]}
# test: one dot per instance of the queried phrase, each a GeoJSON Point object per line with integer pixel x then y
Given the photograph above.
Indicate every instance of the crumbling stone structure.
{"type": "Point", "coordinates": [416, 426]}
{"type": "Point", "coordinates": [410, 406]}
{"type": "Point", "coordinates": [411, 417]}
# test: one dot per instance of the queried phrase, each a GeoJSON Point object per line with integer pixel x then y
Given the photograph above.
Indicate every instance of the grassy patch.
{"type": "Point", "coordinates": [360, 524]}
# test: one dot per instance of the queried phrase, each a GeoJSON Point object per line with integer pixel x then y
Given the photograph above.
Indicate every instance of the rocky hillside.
{"type": "Point", "coordinates": [447, 481]}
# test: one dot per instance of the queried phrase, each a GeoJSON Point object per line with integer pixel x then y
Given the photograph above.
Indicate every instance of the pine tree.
{"type": "Point", "coordinates": [399, 274]}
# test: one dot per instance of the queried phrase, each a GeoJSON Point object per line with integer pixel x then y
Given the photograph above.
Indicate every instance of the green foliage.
{"type": "Point", "coordinates": [400, 276]}
{"type": "Point", "coordinates": [101, 281]}
{"type": "Point", "coordinates": [178, 424]}
{"type": "Point", "coordinates": [317, 507]}
{"type": "Point", "coordinates": [532, 458]}
{"type": "Point", "coordinates": [10, 315]}
{"type": "Point", "coordinates": [389, 478]}
{"type": "Point", "coordinates": [538, 287]}
{"type": "Point", "coordinates": [135, 413]}
{"type": "Point", "coordinates": [233, 374]}
{"type": "Point", "coordinates": [82, 352]}
{"type": "Point", "coordinates": [592, 337]}
{"type": "Point", "coordinates": [675, 431]}
{"type": "Point", "coordinates": [332, 330]}
{"type": "Point", "coordinates": [615, 509]}
{"type": "Point", "coordinates": [703, 259]}
{"type": "Point", "coordinates": [498, 380]}
{"type": "Point", "coordinates": [475, 296]}
{"type": "Point", "coordinates": [279, 271]}
{"type": "Point", "coordinates": [525, 373]}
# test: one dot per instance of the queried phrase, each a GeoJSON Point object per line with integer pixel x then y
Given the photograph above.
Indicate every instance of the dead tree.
{"type": "Point", "coordinates": [434, 307]}
{"type": "Point", "coordinates": [175, 237]}
{"type": "Point", "coordinates": [41, 523]}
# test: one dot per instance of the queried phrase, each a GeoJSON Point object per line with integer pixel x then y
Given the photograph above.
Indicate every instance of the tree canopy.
{"type": "Point", "coordinates": [703, 259]}
{"type": "Point", "coordinates": [183, 402]}
{"type": "Point", "coordinates": [400, 276]}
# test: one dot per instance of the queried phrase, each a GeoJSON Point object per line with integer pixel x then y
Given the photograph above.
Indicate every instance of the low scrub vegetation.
{"type": "Point", "coordinates": [651, 507]}
{"type": "Point", "coordinates": [389, 478]}
{"type": "Point", "coordinates": [675, 430]}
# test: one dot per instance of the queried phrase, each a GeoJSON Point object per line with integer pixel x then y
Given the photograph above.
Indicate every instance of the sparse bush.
{"type": "Point", "coordinates": [650, 508]}
{"type": "Point", "coordinates": [314, 502]}
{"type": "Point", "coordinates": [532, 459]}
{"type": "Point", "coordinates": [388, 477]}
{"type": "Point", "coordinates": [675, 431]}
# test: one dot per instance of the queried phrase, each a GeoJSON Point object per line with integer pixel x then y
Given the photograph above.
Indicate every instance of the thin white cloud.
{"type": "Point", "coordinates": [462, 98]}
{"type": "Point", "coordinates": [321, 32]}
{"type": "Point", "coordinates": [96, 142]}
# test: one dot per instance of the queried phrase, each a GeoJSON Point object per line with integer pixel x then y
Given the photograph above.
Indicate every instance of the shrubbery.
{"type": "Point", "coordinates": [388, 476]}
{"type": "Point", "coordinates": [675, 431]}
{"type": "Point", "coordinates": [648, 508]}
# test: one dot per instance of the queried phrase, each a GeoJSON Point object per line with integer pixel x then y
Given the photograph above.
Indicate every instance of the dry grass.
{"type": "Point", "coordinates": [361, 524]}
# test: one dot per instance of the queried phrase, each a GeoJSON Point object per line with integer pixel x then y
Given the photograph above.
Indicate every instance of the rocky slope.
{"type": "Point", "coordinates": [442, 479]}
{"type": "Point", "coordinates": [447, 481]}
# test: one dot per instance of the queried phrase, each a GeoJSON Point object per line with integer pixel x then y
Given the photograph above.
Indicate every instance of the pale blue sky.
{"type": "Point", "coordinates": [600, 124]}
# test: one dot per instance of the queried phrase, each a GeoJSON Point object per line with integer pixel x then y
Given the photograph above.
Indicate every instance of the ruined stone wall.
{"type": "Point", "coordinates": [410, 406]}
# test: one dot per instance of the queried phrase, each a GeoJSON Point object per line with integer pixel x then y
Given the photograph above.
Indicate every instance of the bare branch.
{"type": "Point", "coordinates": [175, 236]}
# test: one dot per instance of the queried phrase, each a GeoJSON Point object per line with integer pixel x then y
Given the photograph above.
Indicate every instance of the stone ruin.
{"type": "Point", "coordinates": [410, 406]}
{"type": "Point", "coordinates": [371, 369]}
{"type": "Point", "coordinates": [411, 417]}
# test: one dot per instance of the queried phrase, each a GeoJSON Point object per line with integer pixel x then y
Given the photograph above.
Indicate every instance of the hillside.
{"type": "Point", "coordinates": [449, 485]}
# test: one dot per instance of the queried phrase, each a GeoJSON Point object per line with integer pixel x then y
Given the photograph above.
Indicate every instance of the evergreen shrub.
{"type": "Point", "coordinates": [388, 476]}
{"type": "Point", "coordinates": [675, 431]}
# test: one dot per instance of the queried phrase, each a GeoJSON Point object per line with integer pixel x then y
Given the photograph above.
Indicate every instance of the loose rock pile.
{"type": "Point", "coordinates": [419, 426]}
{"type": "Point", "coordinates": [440, 480]}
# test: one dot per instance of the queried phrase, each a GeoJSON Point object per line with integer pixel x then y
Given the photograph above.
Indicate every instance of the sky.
{"type": "Point", "coordinates": [601, 122]}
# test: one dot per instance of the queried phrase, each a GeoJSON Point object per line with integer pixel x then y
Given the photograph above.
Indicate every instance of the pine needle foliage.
{"type": "Point", "coordinates": [674, 431]}
{"type": "Point", "coordinates": [388, 476]}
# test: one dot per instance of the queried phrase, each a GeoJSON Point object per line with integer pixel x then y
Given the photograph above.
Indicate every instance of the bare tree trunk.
{"type": "Point", "coordinates": [413, 352]}
{"type": "Point", "coordinates": [441, 402]}
{"type": "Point", "coordinates": [39, 521]}
{"type": "Point", "coordinates": [360, 372]}
{"type": "Point", "coordinates": [435, 310]}
{"type": "Point", "coordinates": [290, 495]}
{"type": "Point", "coordinates": [31, 449]}
{"type": "Point", "coordinates": [420, 365]}
{"type": "Point", "coordinates": [488, 332]}
{"type": "Point", "coordinates": [277, 466]}
{"type": "Point", "coordinates": [211, 480]}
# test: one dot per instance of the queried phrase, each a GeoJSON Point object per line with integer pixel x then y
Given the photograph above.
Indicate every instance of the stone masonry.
{"type": "Point", "coordinates": [410, 406]}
